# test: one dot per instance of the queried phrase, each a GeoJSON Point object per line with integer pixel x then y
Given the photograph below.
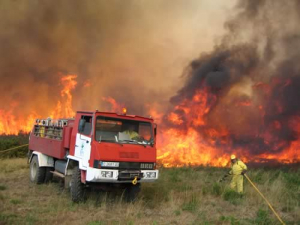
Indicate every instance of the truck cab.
{"type": "Point", "coordinates": [95, 148]}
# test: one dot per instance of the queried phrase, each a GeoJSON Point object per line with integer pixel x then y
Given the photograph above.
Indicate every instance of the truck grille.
{"type": "Point", "coordinates": [129, 175]}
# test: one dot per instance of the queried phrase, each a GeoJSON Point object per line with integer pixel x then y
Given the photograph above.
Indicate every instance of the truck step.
{"type": "Point", "coordinates": [58, 174]}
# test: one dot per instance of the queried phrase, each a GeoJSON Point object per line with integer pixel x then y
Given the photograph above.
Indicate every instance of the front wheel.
{"type": "Point", "coordinates": [77, 188]}
{"type": "Point", "coordinates": [37, 173]}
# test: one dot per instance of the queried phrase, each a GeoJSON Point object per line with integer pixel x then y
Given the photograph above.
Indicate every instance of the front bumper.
{"type": "Point", "coordinates": [113, 176]}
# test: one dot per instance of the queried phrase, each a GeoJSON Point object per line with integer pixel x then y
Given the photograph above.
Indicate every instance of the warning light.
{"type": "Point", "coordinates": [124, 111]}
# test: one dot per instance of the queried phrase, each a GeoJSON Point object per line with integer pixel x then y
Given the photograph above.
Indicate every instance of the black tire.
{"type": "Point", "coordinates": [67, 182]}
{"type": "Point", "coordinates": [77, 188]}
{"type": "Point", "coordinates": [36, 173]}
{"type": "Point", "coordinates": [131, 192]}
{"type": "Point", "coordinates": [48, 174]}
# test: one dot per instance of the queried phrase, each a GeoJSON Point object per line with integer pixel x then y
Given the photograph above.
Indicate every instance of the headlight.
{"type": "Point", "coordinates": [108, 174]}
{"type": "Point", "coordinates": [151, 175]}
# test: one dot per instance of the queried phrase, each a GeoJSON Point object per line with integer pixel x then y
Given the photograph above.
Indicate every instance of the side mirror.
{"type": "Point", "coordinates": [81, 125]}
{"type": "Point", "coordinates": [155, 129]}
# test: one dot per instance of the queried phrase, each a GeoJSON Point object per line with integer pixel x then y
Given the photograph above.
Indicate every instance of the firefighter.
{"type": "Point", "coordinates": [131, 132]}
{"type": "Point", "coordinates": [238, 169]}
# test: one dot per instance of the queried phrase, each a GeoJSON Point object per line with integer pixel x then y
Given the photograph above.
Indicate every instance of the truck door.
{"type": "Point", "coordinates": [83, 140]}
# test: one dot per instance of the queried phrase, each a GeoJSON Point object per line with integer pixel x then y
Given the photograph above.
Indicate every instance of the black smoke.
{"type": "Point", "coordinates": [257, 61]}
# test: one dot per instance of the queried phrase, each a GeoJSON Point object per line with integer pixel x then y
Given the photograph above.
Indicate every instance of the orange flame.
{"type": "Point", "coordinates": [187, 149]}
{"type": "Point", "coordinates": [189, 141]}
{"type": "Point", "coordinates": [12, 125]}
{"type": "Point", "coordinates": [115, 106]}
{"type": "Point", "coordinates": [64, 107]}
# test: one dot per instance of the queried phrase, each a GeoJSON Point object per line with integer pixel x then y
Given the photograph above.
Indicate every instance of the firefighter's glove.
{"type": "Point", "coordinates": [243, 172]}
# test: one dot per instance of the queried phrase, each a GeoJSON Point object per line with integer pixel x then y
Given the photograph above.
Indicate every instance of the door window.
{"type": "Point", "coordinates": [87, 125]}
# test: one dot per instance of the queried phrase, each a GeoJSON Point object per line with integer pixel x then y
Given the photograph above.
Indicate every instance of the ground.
{"type": "Point", "coordinates": [181, 196]}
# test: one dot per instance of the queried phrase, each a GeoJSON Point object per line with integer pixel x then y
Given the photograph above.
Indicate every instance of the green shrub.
{"type": "Point", "coordinates": [10, 141]}
{"type": "Point", "coordinates": [15, 201]}
{"type": "Point", "coordinates": [274, 176]}
{"type": "Point", "coordinates": [205, 190]}
{"type": "Point", "coordinates": [177, 212]}
{"type": "Point", "coordinates": [232, 196]}
{"type": "Point", "coordinates": [31, 219]}
{"type": "Point", "coordinates": [1, 197]}
{"type": "Point", "coordinates": [216, 189]}
{"type": "Point", "coordinates": [292, 179]}
{"type": "Point", "coordinates": [154, 193]}
{"type": "Point", "coordinates": [174, 175]}
{"type": "Point", "coordinates": [292, 183]}
{"type": "Point", "coordinates": [95, 223]}
{"type": "Point", "coordinates": [191, 204]}
{"type": "Point", "coordinates": [183, 188]}
{"type": "Point", "coordinates": [262, 218]}
{"type": "Point", "coordinates": [231, 219]}
{"type": "Point", "coordinates": [258, 178]}
{"type": "Point", "coordinates": [2, 187]}
{"type": "Point", "coordinates": [7, 218]}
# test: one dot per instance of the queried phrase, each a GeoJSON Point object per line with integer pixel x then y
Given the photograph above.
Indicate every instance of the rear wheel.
{"type": "Point", "coordinates": [77, 188]}
{"type": "Point", "coordinates": [132, 191]}
{"type": "Point", "coordinates": [37, 173]}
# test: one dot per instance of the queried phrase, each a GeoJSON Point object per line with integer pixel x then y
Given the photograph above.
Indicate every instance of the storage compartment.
{"type": "Point", "coordinates": [60, 166]}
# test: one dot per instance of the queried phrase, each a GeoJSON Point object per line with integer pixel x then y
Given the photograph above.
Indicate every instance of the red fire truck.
{"type": "Point", "coordinates": [95, 148]}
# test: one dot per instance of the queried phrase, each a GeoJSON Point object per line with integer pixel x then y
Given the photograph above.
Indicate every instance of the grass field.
{"type": "Point", "coordinates": [181, 196]}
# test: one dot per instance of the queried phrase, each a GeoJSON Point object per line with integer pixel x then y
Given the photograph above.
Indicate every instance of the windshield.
{"type": "Point", "coordinates": [123, 131]}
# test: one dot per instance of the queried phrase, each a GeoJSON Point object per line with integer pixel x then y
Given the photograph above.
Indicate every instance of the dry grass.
{"type": "Point", "coordinates": [181, 196]}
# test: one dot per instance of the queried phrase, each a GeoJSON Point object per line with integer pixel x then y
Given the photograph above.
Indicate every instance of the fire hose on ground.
{"type": "Point", "coordinates": [269, 204]}
{"type": "Point", "coordinates": [10, 149]}
{"type": "Point", "coordinates": [254, 186]}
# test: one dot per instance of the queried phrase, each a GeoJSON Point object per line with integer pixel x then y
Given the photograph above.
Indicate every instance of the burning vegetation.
{"type": "Point", "coordinates": [240, 98]}
{"type": "Point", "coordinates": [10, 124]}
{"type": "Point", "coordinates": [243, 96]}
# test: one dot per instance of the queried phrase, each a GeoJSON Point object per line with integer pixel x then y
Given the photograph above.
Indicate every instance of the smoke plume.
{"type": "Point", "coordinates": [250, 85]}
{"type": "Point", "coordinates": [119, 49]}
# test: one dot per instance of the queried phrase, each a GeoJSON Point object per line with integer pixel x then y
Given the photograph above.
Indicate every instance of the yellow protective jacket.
{"type": "Point", "coordinates": [237, 168]}
{"type": "Point", "coordinates": [132, 134]}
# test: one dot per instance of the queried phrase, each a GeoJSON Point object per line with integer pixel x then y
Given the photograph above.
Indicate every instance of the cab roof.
{"type": "Point", "coordinates": [117, 115]}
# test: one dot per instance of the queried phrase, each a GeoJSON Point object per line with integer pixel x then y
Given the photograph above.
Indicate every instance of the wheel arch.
{"type": "Point", "coordinates": [44, 160]}
{"type": "Point", "coordinates": [71, 164]}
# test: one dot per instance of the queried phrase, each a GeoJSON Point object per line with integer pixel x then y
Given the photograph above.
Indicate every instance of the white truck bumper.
{"type": "Point", "coordinates": [112, 176]}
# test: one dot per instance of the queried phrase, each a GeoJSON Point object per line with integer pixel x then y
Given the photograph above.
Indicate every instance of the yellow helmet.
{"type": "Point", "coordinates": [232, 157]}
